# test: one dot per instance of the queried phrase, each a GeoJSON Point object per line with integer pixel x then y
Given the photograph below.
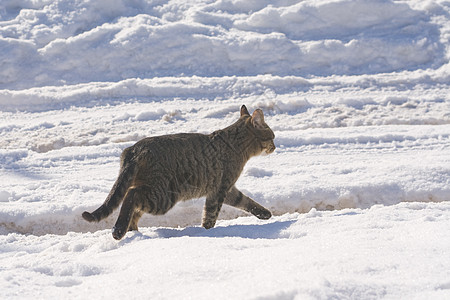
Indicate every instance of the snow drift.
{"type": "Point", "coordinates": [61, 42]}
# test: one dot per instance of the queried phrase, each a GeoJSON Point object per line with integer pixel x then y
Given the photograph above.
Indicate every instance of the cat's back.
{"type": "Point", "coordinates": [172, 143]}
{"type": "Point", "coordinates": [174, 153]}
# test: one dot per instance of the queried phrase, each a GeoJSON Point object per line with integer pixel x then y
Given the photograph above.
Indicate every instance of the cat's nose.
{"type": "Point", "coordinates": [271, 149]}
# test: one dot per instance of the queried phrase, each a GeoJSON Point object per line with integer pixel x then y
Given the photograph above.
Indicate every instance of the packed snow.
{"type": "Point", "coordinates": [357, 93]}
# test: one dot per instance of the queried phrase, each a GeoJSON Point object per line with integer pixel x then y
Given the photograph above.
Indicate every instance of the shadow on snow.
{"type": "Point", "coordinates": [251, 231]}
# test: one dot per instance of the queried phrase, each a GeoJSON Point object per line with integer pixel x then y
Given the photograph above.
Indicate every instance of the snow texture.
{"type": "Point", "coordinates": [357, 93]}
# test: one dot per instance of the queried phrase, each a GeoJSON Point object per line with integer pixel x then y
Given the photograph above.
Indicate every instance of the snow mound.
{"type": "Point", "coordinates": [67, 42]}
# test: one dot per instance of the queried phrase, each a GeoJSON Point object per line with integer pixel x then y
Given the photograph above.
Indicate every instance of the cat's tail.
{"type": "Point", "coordinates": [115, 196]}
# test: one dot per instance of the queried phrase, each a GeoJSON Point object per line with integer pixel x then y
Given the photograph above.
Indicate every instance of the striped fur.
{"type": "Point", "coordinates": [157, 172]}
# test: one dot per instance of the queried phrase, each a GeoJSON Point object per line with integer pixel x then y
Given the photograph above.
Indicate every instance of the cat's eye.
{"type": "Point", "coordinates": [266, 140]}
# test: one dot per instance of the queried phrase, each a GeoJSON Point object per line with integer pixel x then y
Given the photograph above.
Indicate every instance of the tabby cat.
{"type": "Point", "coordinates": [157, 172]}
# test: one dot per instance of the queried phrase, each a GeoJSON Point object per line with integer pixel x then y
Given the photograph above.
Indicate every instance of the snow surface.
{"type": "Point", "coordinates": [357, 93]}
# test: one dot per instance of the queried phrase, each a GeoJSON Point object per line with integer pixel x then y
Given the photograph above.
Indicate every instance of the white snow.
{"type": "Point", "coordinates": [357, 93]}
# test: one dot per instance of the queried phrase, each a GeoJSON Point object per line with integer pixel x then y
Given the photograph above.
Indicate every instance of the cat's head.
{"type": "Point", "coordinates": [259, 129]}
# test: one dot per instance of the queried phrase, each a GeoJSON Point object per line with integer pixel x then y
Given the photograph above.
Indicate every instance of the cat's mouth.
{"type": "Point", "coordinates": [268, 151]}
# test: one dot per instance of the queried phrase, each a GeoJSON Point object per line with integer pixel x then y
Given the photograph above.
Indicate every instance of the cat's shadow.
{"type": "Point", "coordinates": [273, 230]}
{"type": "Point", "coordinates": [250, 231]}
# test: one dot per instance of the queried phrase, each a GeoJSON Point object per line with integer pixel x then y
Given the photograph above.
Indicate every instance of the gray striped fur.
{"type": "Point", "coordinates": [157, 172]}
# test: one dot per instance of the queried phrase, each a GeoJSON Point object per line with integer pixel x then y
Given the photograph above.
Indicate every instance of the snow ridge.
{"type": "Point", "coordinates": [62, 42]}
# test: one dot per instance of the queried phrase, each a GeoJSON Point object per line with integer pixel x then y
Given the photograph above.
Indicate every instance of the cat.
{"type": "Point", "coordinates": [157, 172]}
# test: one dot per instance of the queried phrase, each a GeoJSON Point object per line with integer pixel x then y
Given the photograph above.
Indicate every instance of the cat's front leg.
{"type": "Point", "coordinates": [213, 204]}
{"type": "Point", "coordinates": [236, 198]}
{"type": "Point", "coordinates": [208, 223]}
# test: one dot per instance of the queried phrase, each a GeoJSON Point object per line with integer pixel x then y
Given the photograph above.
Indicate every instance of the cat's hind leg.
{"type": "Point", "coordinates": [134, 220]}
{"type": "Point", "coordinates": [135, 201]}
{"type": "Point", "coordinates": [237, 199]}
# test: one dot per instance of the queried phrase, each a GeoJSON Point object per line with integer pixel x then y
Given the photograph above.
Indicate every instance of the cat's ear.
{"type": "Point", "coordinates": [258, 119]}
{"type": "Point", "coordinates": [244, 111]}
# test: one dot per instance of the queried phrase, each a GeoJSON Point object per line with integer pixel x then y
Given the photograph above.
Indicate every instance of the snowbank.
{"type": "Point", "coordinates": [45, 190]}
{"type": "Point", "coordinates": [67, 42]}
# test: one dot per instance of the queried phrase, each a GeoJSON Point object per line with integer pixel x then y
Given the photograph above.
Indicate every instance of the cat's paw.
{"type": "Point", "coordinates": [262, 213]}
{"type": "Point", "coordinates": [88, 216]}
{"type": "Point", "coordinates": [208, 224]}
{"type": "Point", "coordinates": [118, 233]}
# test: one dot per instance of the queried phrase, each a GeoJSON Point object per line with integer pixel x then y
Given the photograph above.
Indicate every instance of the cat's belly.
{"type": "Point", "coordinates": [191, 192]}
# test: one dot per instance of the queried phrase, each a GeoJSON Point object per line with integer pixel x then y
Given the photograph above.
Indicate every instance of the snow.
{"type": "Point", "coordinates": [391, 252]}
{"type": "Point", "coordinates": [63, 42]}
{"type": "Point", "coordinates": [357, 93]}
